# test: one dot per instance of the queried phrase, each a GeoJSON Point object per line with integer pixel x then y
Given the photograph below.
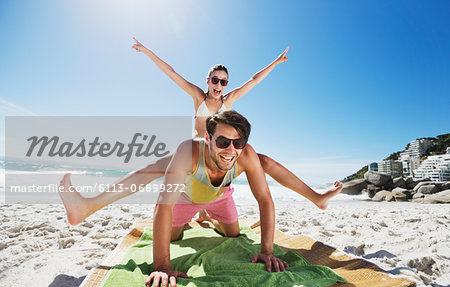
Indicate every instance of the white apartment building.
{"type": "Point", "coordinates": [417, 148]}
{"type": "Point", "coordinates": [409, 164]}
{"type": "Point", "coordinates": [411, 157]}
{"type": "Point", "coordinates": [435, 167]}
{"type": "Point", "coordinates": [391, 167]}
{"type": "Point", "coordinates": [373, 166]}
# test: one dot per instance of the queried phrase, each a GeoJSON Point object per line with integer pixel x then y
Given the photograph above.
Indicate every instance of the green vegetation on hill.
{"type": "Point", "coordinates": [393, 156]}
{"type": "Point", "coordinates": [360, 173]}
{"type": "Point", "coordinates": [440, 144]}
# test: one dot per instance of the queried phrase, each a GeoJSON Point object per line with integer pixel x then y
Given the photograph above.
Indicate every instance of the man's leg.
{"type": "Point", "coordinates": [176, 232]}
{"type": "Point", "coordinates": [222, 213]}
{"type": "Point", "coordinates": [78, 208]}
{"type": "Point", "coordinates": [182, 213]}
{"type": "Point", "coordinates": [228, 230]}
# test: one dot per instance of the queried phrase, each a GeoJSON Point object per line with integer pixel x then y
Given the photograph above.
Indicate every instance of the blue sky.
{"type": "Point", "coordinates": [362, 80]}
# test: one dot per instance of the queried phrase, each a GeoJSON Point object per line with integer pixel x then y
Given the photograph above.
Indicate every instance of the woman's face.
{"type": "Point", "coordinates": [216, 90]}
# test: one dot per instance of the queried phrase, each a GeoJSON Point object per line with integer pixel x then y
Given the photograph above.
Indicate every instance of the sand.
{"type": "Point", "coordinates": [39, 248]}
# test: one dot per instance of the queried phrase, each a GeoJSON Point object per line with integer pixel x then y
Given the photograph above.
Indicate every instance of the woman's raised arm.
{"type": "Point", "coordinates": [235, 94]}
{"type": "Point", "coordinates": [195, 92]}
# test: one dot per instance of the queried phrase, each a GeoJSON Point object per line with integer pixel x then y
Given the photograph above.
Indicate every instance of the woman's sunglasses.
{"type": "Point", "coordinates": [215, 80]}
{"type": "Point", "coordinates": [223, 142]}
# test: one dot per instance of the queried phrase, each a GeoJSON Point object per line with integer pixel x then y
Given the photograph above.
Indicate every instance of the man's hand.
{"type": "Point", "coordinates": [165, 278]}
{"type": "Point", "coordinates": [269, 260]}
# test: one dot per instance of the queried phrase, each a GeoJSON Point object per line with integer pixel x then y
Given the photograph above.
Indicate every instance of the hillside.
{"type": "Point", "coordinates": [440, 144]}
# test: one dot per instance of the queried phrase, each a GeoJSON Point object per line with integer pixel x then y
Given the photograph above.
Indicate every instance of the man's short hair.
{"type": "Point", "coordinates": [231, 118]}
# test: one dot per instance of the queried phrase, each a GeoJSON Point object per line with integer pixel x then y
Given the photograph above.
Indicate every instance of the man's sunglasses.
{"type": "Point", "coordinates": [223, 142]}
{"type": "Point", "coordinates": [215, 80]}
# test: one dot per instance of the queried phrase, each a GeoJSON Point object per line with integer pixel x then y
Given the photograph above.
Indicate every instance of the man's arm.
{"type": "Point", "coordinates": [175, 175]}
{"type": "Point", "coordinates": [162, 229]}
{"type": "Point", "coordinates": [249, 161]}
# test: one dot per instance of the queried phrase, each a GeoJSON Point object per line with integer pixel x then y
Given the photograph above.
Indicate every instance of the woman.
{"type": "Point", "coordinates": [205, 103]}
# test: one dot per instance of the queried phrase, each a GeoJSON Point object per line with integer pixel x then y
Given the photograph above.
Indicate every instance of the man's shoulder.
{"type": "Point", "coordinates": [189, 149]}
{"type": "Point", "coordinates": [248, 150]}
{"type": "Point", "coordinates": [247, 156]}
{"type": "Point", "coordinates": [189, 145]}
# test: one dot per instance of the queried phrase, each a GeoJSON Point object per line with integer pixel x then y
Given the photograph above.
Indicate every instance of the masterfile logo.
{"type": "Point", "coordinates": [53, 147]}
{"type": "Point", "coordinates": [98, 151]}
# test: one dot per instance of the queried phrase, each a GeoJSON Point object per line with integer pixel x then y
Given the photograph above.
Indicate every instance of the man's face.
{"type": "Point", "coordinates": [224, 158]}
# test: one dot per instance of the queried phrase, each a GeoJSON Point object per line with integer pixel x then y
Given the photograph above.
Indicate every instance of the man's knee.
{"type": "Point", "coordinates": [231, 230]}
{"type": "Point", "coordinates": [176, 233]}
{"type": "Point", "coordinates": [232, 234]}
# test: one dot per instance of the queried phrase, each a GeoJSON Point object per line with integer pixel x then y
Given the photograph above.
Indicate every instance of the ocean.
{"type": "Point", "coordinates": [49, 174]}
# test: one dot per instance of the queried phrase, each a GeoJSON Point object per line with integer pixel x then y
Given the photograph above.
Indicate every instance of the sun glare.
{"type": "Point", "coordinates": [139, 16]}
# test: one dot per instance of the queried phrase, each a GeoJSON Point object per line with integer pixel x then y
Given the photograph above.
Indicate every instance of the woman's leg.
{"type": "Point", "coordinates": [286, 178]}
{"type": "Point", "coordinates": [78, 208]}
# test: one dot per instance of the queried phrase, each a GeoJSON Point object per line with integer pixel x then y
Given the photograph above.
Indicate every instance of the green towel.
{"type": "Point", "coordinates": [210, 259]}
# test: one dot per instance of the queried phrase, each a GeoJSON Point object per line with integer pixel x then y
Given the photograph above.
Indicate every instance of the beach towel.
{"type": "Point", "coordinates": [358, 272]}
{"type": "Point", "coordinates": [210, 259]}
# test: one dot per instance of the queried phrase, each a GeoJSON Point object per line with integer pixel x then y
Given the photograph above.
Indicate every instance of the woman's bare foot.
{"type": "Point", "coordinates": [322, 203]}
{"type": "Point", "coordinates": [76, 207]}
{"type": "Point", "coordinates": [203, 216]}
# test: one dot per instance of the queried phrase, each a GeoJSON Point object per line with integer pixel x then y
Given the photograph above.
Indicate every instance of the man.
{"type": "Point", "coordinates": [207, 168]}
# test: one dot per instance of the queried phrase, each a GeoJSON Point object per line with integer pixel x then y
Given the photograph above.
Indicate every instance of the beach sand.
{"type": "Point", "coordinates": [39, 248]}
